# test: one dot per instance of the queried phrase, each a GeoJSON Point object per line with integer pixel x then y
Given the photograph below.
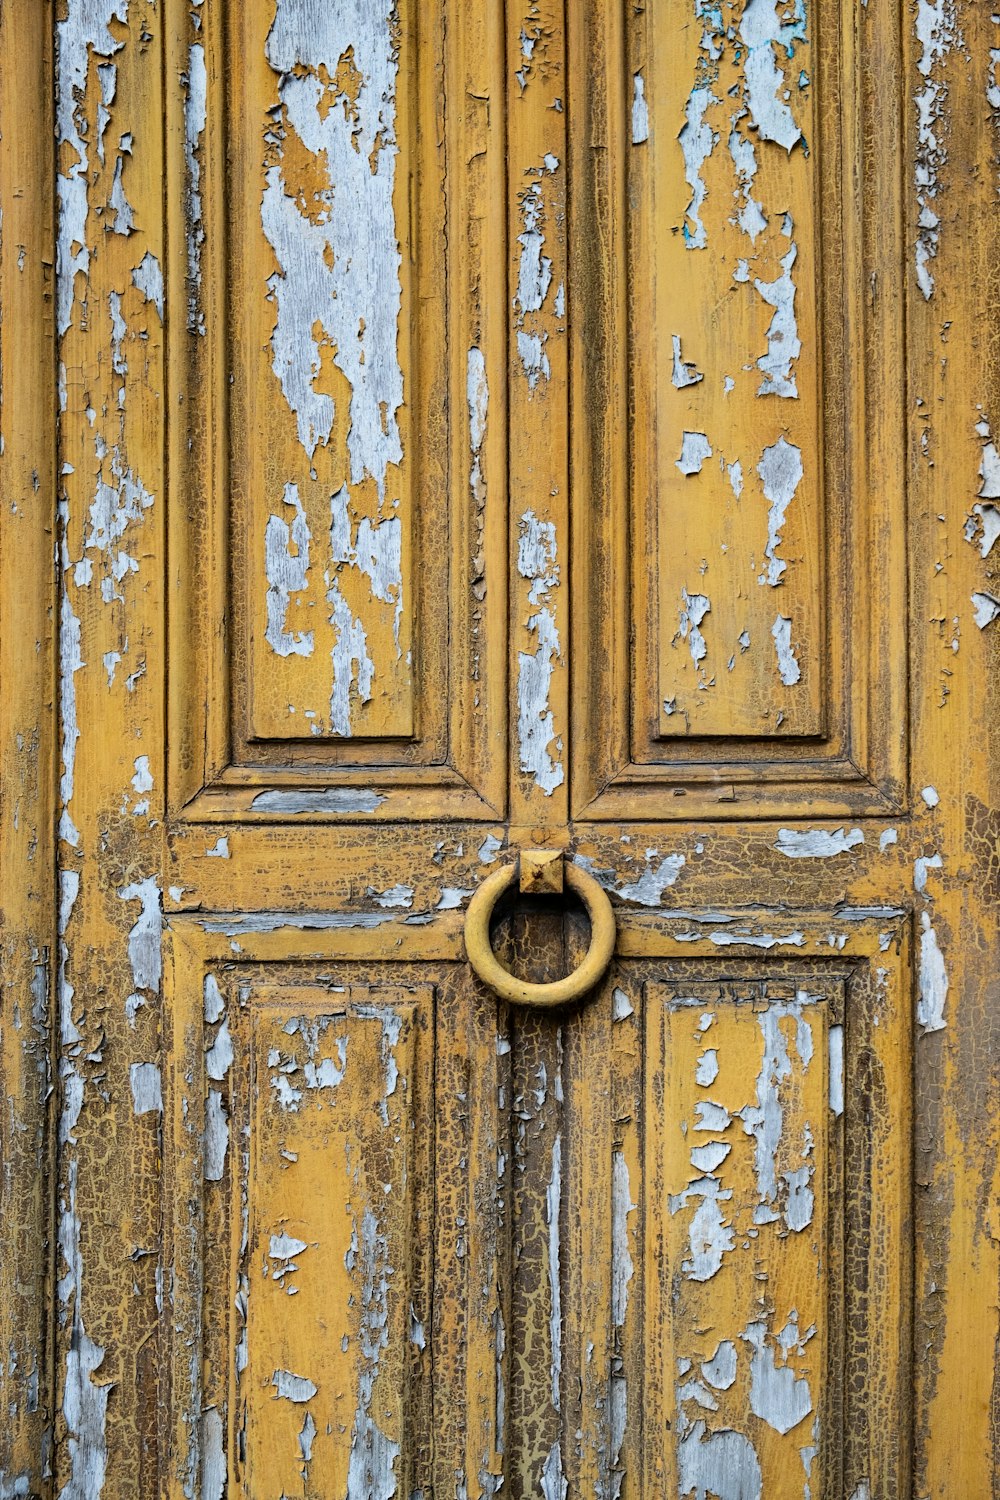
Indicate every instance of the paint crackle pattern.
{"type": "Point", "coordinates": [753, 1088]}
{"type": "Point", "coordinates": [333, 517]}
{"type": "Point", "coordinates": [739, 501]}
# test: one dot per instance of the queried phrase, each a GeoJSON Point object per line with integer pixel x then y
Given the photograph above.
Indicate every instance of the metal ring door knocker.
{"type": "Point", "coordinates": [602, 935]}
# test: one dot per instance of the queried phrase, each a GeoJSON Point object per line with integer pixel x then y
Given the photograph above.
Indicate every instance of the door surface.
{"type": "Point", "coordinates": [463, 430]}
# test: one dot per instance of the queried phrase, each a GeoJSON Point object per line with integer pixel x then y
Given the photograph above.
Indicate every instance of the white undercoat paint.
{"type": "Point", "coordinates": [338, 280]}
{"type": "Point", "coordinates": [707, 1068]}
{"type": "Point", "coordinates": [695, 448]}
{"type": "Point", "coordinates": [794, 939]}
{"type": "Point", "coordinates": [477, 395]}
{"type": "Point", "coordinates": [488, 849]}
{"type": "Point", "coordinates": [684, 373]}
{"type": "Point", "coordinates": [144, 939]}
{"type": "Point", "coordinates": [534, 266]}
{"type": "Point", "coordinates": [655, 879]}
{"type": "Point", "coordinates": [451, 897]}
{"type": "Point", "coordinates": [344, 800]}
{"type": "Point", "coordinates": [553, 1205]}
{"type": "Point", "coordinates": [70, 662]}
{"type": "Point", "coordinates": [213, 1457]}
{"type": "Point", "coordinates": [932, 980]}
{"type": "Point", "coordinates": [935, 23]}
{"type": "Point", "coordinates": [286, 568]}
{"type": "Point", "coordinates": [984, 524]}
{"type": "Point", "coordinates": [711, 1116]}
{"type": "Point", "coordinates": [537, 563]}
{"type": "Point", "coordinates": [123, 221]}
{"type": "Point", "coordinates": [710, 1235]}
{"type": "Point", "coordinates": [694, 608]}
{"type": "Point", "coordinates": [640, 111]}
{"type": "Point", "coordinates": [142, 781]}
{"type": "Point", "coordinates": [817, 843]}
{"type": "Point", "coordinates": [921, 866]}
{"type": "Point", "coordinates": [291, 1387]}
{"type": "Point", "coordinates": [783, 343]}
{"type": "Point", "coordinates": [83, 34]}
{"type": "Point", "coordinates": [984, 529]}
{"type": "Point", "coordinates": [788, 666]}
{"type": "Point", "coordinates": [85, 1401]}
{"type": "Point", "coordinates": [147, 1093]}
{"type": "Point", "coordinates": [722, 1464]}
{"type": "Point", "coordinates": [622, 1268]}
{"type": "Point", "coordinates": [213, 1003]}
{"type": "Point", "coordinates": [216, 1141]}
{"type": "Point", "coordinates": [764, 1119]}
{"type": "Point", "coordinates": [307, 1437]}
{"type": "Point", "coordinates": [370, 1473]}
{"type": "Point", "coordinates": [777, 1395]}
{"type": "Point", "coordinates": [720, 1370]}
{"type": "Point", "coordinates": [554, 1486]}
{"type": "Point", "coordinates": [120, 502]}
{"type": "Point", "coordinates": [219, 1057]}
{"type": "Point", "coordinates": [697, 140]}
{"type": "Point", "coordinates": [534, 275]}
{"type": "Point", "coordinates": [835, 1041]}
{"type": "Point", "coordinates": [621, 1005]}
{"type": "Point", "coordinates": [274, 921]}
{"type": "Point", "coordinates": [750, 218]}
{"type": "Point", "coordinates": [147, 278]}
{"type": "Point", "coordinates": [396, 896]}
{"type": "Point", "coordinates": [780, 471]}
{"type": "Point", "coordinates": [375, 551]}
{"type": "Point", "coordinates": [986, 609]}
{"type": "Point", "coordinates": [707, 1159]}
{"type": "Point", "coordinates": [195, 117]}
{"type": "Point", "coordinates": [766, 37]}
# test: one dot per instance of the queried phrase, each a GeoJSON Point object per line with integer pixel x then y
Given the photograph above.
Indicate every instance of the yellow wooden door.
{"type": "Point", "coordinates": [433, 433]}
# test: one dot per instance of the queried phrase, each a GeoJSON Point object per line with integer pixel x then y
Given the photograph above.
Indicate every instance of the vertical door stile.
{"type": "Point", "coordinates": [112, 508]}
{"type": "Point", "coordinates": [475, 118]}
{"type": "Point", "coordinates": [602, 49]}
{"type": "Point", "coordinates": [537, 104]}
{"type": "Point", "coordinates": [27, 743]}
{"type": "Point", "coordinates": [593, 1250]}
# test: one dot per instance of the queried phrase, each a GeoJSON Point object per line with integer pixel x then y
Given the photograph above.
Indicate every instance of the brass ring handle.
{"type": "Point", "coordinates": [520, 991]}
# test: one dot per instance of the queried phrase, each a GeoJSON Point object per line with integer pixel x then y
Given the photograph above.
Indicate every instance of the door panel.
{"type": "Point", "coordinates": [363, 377]}
{"type": "Point", "coordinates": [339, 514]}
{"type": "Point", "coordinates": [734, 278]}
{"type": "Point", "coordinates": [724, 276]}
{"type": "Point", "coordinates": [640, 1249]}
{"type": "Point", "coordinates": [302, 1154]}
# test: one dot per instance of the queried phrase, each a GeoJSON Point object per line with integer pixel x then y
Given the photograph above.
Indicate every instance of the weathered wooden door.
{"type": "Point", "coordinates": [464, 430]}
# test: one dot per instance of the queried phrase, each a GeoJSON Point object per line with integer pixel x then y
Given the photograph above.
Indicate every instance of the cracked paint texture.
{"type": "Point", "coordinates": [746, 1143]}
{"type": "Point", "coordinates": [332, 652]}
{"type": "Point", "coordinates": [330, 1271]}
{"type": "Point", "coordinates": [732, 160]}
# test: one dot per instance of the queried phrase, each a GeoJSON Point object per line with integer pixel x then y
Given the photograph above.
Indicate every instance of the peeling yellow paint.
{"type": "Point", "coordinates": [427, 435]}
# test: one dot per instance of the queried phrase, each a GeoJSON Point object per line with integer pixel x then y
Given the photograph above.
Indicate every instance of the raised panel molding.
{"type": "Point", "coordinates": [304, 1054]}
{"type": "Point", "coordinates": [337, 496]}
{"type": "Point", "coordinates": [298, 1150]}
{"type": "Point", "coordinates": [740, 484]}
{"type": "Point", "coordinates": [747, 1154]}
